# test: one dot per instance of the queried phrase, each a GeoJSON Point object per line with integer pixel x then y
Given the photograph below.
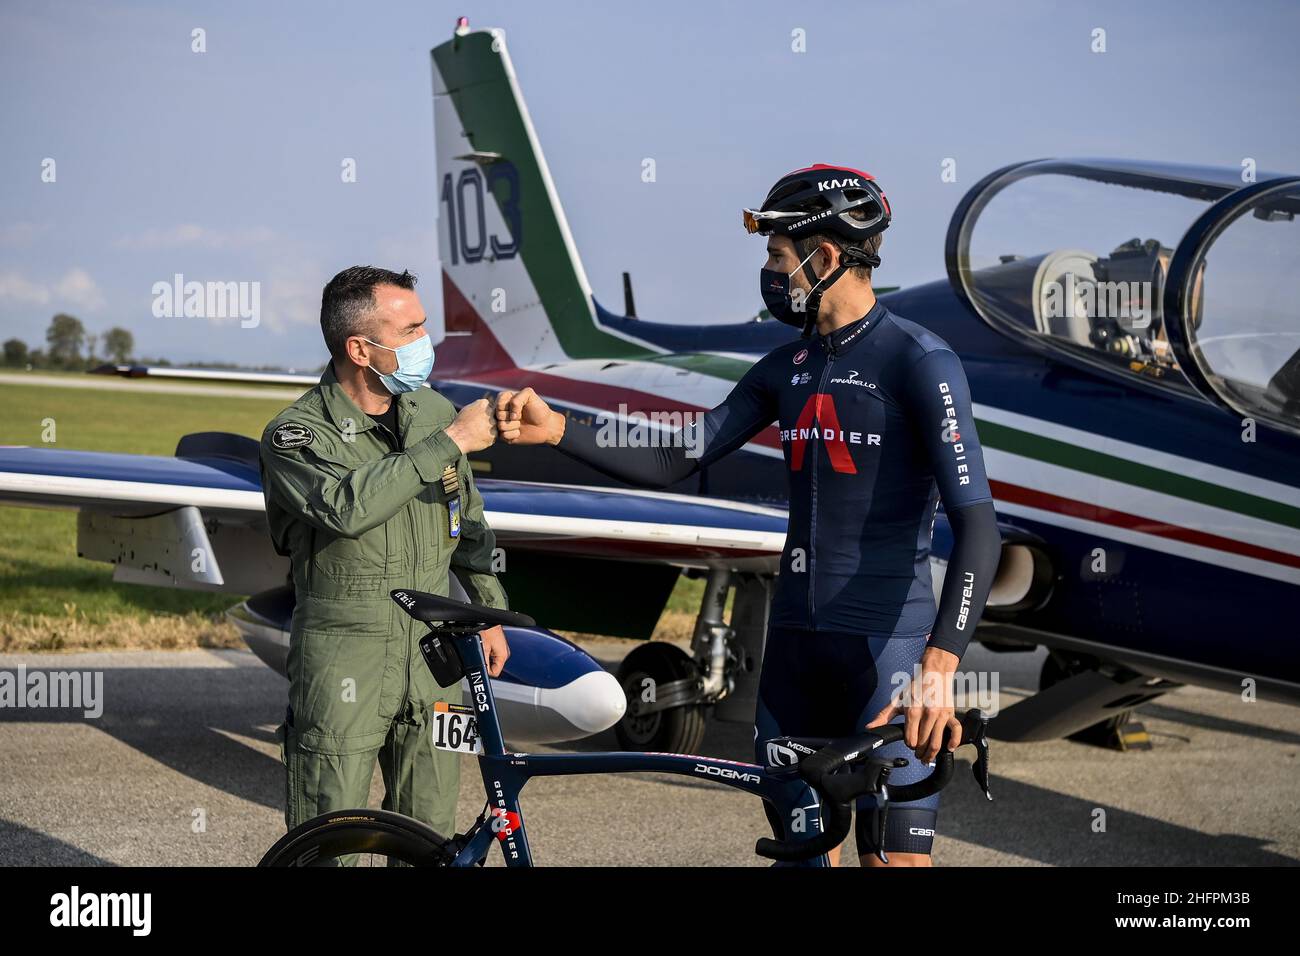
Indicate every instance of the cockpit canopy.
{"type": "Point", "coordinates": [1177, 274]}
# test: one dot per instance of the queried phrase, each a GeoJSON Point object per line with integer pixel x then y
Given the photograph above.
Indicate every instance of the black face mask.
{"type": "Point", "coordinates": [774, 286]}
{"type": "Point", "coordinates": [775, 289]}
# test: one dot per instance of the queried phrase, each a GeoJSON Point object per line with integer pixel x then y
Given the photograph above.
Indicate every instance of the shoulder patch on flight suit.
{"type": "Point", "coordinates": [292, 435]}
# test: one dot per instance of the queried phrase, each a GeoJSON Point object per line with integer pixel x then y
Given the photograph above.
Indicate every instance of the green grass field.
{"type": "Point", "coordinates": [142, 423]}
{"type": "Point", "coordinates": [50, 598]}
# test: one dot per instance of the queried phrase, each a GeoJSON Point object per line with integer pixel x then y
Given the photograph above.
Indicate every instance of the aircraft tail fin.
{"type": "Point", "coordinates": [514, 290]}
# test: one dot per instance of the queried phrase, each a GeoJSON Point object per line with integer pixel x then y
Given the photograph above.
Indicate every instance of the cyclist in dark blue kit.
{"type": "Point", "coordinates": [876, 427]}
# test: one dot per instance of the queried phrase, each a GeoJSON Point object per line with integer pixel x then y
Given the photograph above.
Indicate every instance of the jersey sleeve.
{"type": "Point", "coordinates": [939, 405]}
{"type": "Point", "coordinates": [673, 456]}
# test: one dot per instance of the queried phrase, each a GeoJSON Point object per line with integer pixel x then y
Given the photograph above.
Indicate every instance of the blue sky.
{"type": "Point", "coordinates": [225, 165]}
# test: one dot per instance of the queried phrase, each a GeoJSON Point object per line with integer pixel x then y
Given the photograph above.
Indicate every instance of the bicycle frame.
{"type": "Point", "coordinates": [505, 774]}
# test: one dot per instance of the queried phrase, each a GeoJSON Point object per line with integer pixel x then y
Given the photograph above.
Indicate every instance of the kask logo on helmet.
{"type": "Point", "coordinates": [826, 184]}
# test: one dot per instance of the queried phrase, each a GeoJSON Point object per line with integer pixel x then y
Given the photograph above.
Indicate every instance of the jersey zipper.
{"type": "Point", "coordinates": [815, 465]}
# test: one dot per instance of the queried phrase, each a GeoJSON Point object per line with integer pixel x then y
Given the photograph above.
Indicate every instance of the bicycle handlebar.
{"type": "Point", "coordinates": [836, 790]}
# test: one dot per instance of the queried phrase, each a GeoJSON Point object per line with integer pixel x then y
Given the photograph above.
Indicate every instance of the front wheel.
{"type": "Point", "coordinates": [342, 837]}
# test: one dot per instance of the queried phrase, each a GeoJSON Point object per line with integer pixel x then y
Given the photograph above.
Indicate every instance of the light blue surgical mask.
{"type": "Point", "coordinates": [414, 363]}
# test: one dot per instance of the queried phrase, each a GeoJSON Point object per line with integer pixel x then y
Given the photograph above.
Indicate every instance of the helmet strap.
{"type": "Point", "coordinates": [813, 301]}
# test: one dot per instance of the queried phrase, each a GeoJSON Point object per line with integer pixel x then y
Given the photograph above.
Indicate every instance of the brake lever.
{"type": "Point", "coordinates": [879, 806]}
{"type": "Point", "coordinates": [881, 824]}
{"type": "Point", "coordinates": [975, 731]}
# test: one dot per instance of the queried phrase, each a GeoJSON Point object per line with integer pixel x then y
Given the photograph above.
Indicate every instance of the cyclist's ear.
{"type": "Point", "coordinates": [830, 254]}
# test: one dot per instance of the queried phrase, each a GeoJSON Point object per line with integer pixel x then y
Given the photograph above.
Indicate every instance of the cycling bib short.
{"type": "Point", "coordinates": [830, 684]}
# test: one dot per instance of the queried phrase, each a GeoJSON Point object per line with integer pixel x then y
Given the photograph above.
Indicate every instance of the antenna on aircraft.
{"type": "Point", "coordinates": [462, 26]}
{"type": "Point", "coordinates": [629, 307]}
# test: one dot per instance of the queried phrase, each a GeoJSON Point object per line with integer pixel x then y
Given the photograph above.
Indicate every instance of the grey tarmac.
{"type": "Point", "coordinates": [182, 769]}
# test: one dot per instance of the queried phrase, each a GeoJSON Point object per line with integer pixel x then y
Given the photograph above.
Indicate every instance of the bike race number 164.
{"type": "Point", "coordinates": [455, 728]}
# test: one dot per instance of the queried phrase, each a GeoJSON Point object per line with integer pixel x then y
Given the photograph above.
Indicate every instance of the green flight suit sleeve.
{"type": "Point", "coordinates": [472, 561]}
{"type": "Point", "coordinates": [315, 482]}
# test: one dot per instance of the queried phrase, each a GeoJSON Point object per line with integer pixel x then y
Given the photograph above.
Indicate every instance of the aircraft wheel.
{"type": "Point", "coordinates": [675, 730]}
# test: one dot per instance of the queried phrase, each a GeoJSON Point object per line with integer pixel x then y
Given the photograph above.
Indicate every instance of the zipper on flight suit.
{"type": "Point", "coordinates": [410, 520]}
{"type": "Point", "coordinates": [406, 641]}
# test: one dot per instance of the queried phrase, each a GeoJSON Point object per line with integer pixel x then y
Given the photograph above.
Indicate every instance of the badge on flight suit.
{"type": "Point", "coordinates": [451, 487]}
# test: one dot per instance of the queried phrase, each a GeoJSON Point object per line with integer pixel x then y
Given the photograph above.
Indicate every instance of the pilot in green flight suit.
{"type": "Point", "coordinates": [368, 489]}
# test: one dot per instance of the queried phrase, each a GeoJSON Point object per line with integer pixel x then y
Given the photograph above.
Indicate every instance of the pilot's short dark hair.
{"type": "Point", "coordinates": [348, 299]}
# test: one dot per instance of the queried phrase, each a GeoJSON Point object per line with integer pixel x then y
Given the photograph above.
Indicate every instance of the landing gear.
{"type": "Point", "coordinates": [664, 710]}
{"type": "Point", "coordinates": [672, 693]}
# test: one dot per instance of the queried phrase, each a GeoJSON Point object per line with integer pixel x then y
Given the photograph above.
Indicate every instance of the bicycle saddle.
{"type": "Point", "coordinates": [436, 609]}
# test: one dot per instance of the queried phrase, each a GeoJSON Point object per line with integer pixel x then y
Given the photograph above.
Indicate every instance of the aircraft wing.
{"type": "Point", "coordinates": [126, 501]}
{"type": "Point", "coordinates": [634, 525]}
{"type": "Point", "coordinates": [197, 520]}
{"type": "Point", "coordinates": [306, 380]}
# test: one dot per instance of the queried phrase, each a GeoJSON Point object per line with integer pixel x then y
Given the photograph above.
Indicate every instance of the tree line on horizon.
{"type": "Point", "coordinates": [65, 340]}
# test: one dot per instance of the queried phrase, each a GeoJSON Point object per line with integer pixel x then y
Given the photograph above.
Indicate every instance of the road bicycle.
{"type": "Point", "coordinates": [809, 782]}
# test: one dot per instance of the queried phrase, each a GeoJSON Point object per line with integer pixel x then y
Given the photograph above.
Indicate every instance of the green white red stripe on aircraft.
{"type": "Point", "coordinates": [1061, 475]}
{"type": "Point", "coordinates": [717, 366]}
{"type": "Point", "coordinates": [1197, 509]}
{"type": "Point", "coordinates": [1138, 465]}
{"type": "Point", "coordinates": [1119, 490]}
{"type": "Point", "coordinates": [1126, 472]}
